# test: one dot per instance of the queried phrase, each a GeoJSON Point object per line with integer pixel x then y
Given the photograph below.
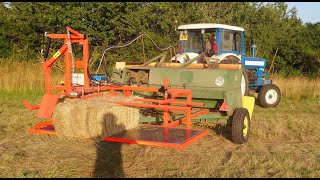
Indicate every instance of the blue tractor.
{"type": "Point", "coordinates": [230, 43]}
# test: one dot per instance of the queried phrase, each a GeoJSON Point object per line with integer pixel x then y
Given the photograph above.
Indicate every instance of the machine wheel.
{"type": "Point", "coordinates": [244, 80]}
{"type": "Point", "coordinates": [244, 83]}
{"type": "Point", "coordinates": [269, 96]}
{"type": "Point", "coordinates": [240, 126]}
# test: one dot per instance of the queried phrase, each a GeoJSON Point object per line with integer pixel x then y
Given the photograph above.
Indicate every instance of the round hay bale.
{"type": "Point", "coordinates": [91, 118]}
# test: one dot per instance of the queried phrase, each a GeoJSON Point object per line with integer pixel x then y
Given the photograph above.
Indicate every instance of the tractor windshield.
{"type": "Point", "coordinates": [190, 42]}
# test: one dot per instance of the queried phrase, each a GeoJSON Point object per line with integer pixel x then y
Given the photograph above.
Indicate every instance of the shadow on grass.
{"type": "Point", "coordinates": [224, 131]}
{"type": "Point", "coordinates": [108, 162]}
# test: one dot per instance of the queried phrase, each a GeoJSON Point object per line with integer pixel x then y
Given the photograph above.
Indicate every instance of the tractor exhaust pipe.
{"type": "Point", "coordinates": [253, 49]}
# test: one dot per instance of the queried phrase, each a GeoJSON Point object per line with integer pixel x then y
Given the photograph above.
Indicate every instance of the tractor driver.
{"type": "Point", "coordinates": [211, 46]}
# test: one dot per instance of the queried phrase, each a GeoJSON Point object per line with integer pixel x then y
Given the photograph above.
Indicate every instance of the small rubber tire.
{"type": "Point", "coordinates": [240, 126]}
{"type": "Point", "coordinates": [269, 96]}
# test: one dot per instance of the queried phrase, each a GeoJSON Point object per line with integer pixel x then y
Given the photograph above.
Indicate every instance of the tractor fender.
{"type": "Point", "coordinates": [184, 57]}
{"type": "Point", "coordinates": [224, 55]}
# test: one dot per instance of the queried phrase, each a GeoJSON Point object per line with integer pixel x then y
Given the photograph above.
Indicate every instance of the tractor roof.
{"type": "Point", "coordinates": [209, 26]}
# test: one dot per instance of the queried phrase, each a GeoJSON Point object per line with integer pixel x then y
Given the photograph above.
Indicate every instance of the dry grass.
{"type": "Point", "coordinates": [22, 76]}
{"type": "Point", "coordinates": [298, 87]}
{"type": "Point", "coordinates": [284, 142]}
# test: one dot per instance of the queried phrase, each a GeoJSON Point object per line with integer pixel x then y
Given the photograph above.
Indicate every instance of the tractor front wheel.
{"type": "Point", "coordinates": [240, 126]}
{"type": "Point", "coordinates": [269, 96]}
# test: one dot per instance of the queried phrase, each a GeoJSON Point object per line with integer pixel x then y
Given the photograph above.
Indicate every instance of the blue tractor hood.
{"type": "Point", "coordinates": [253, 62]}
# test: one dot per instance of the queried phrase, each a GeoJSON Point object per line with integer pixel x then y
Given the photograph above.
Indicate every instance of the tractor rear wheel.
{"type": "Point", "coordinates": [269, 96]}
{"type": "Point", "coordinates": [240, 126]}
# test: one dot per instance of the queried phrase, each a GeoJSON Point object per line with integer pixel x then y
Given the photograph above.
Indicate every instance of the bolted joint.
{"type": "Point", "coordinates": [163, 89]}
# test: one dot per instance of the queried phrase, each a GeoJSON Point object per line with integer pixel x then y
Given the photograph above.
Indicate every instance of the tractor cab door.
{"type": "Point", "coordinates": [230, 41]}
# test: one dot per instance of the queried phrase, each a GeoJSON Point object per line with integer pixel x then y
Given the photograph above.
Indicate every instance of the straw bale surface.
{"type": "Point", "coordinates": [92, 118]}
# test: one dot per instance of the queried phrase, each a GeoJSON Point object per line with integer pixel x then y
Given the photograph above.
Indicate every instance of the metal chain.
{"type": "Point", "coordinates": [72, 58]}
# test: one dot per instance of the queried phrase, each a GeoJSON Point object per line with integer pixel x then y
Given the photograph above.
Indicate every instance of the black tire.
{"type": "Point", "coordinates": [269, 96]}
{"type": "Point", "coordinates": [240, 126]}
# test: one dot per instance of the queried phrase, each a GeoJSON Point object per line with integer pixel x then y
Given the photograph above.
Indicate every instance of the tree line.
{"type": "Point", "coordinates": [276, 30]}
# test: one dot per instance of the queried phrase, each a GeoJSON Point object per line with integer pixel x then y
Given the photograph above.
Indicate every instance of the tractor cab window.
{"type": "Point", "coordinates": [191, 41]}
{"type": "Point", "coordinates": [228, 41]}
{"type": "Point", "coordinates": [231, 41]}
{"type": "Point", "coordinates": [238, 42]}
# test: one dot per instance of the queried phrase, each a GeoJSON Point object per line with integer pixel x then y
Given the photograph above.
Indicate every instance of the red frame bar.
{"type": "Point", "coordinates": [30, 107]}
{"type": "Point", "coordinates": [171, 101]}
{"type": "Point", "coordinates": [38, 128]}
{"type": "Point", "coordinates": [179, 121]}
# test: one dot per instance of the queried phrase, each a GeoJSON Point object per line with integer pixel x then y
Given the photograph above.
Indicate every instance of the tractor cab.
{"type": "Point", "coordinates": [193, 39]}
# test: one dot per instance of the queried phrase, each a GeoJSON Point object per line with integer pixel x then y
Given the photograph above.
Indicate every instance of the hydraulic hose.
{"type": "Point", "coordinates": [112, 47]}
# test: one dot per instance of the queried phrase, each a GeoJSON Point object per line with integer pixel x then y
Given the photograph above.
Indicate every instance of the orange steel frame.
{"type": "Point", "coordinates": [75, 37]}
{"type": "Point", "coordinates": [167, 104]}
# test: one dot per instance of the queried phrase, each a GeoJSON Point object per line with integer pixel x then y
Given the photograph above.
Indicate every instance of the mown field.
{"type": "Point", "coordinates": [284, 141]}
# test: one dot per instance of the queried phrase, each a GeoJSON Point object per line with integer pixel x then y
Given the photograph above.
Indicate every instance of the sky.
{"type": "Point", "coordinates": [307, 11]}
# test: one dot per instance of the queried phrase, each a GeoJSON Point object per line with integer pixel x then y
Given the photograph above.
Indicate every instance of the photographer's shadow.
{"type": "Point", "coordinates": [108, 163]}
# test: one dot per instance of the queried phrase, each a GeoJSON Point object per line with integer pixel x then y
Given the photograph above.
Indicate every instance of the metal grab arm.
{"type": "Point", "coordinates": [191, 61]}
{"type": "Point", "coordinates": [156, 58]}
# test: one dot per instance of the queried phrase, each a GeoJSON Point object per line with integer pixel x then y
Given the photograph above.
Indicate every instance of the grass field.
{"type": "Point", "coordinates": [284, 141]}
